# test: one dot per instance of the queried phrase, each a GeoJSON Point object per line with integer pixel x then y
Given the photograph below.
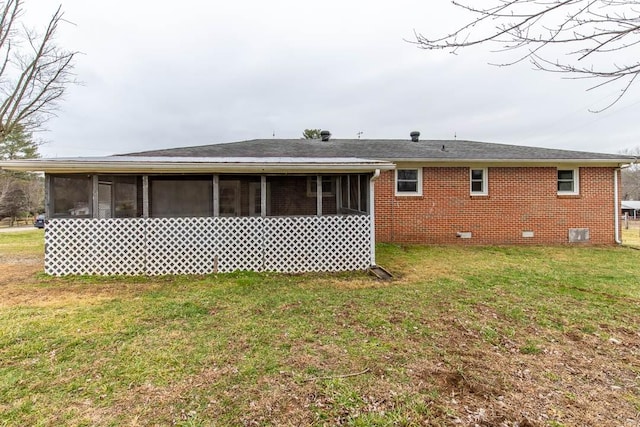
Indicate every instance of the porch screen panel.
{"type": "Point", "coordinates": [345, 191]}
{"type": "Point", "coordinates": [105, 190]}
{"type": "Point", "coordinates": [288, 196]}
{"type": "Point", "coordinates": [186, 197]}
{"type": "Point", "coordinates": [118, 196]}
{"type": "Point", "coordinates": [364, 193]}
{"type": "Point", "coordinates": [125, 197]}
{"type": "Point", "coordinates": [71, 196]}
{"type": "Point", "coordinates": [329, 205]}
{"type": "Point", "coordinates": [355, 193]}
{"type": "Point", "coordinates": [354, 196]}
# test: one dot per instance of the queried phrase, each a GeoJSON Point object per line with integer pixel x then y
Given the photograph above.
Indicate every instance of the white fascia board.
{"type": "Point", "coordinates": [515, 162]}
{"type": "Point", "coordinates": [197, 165]}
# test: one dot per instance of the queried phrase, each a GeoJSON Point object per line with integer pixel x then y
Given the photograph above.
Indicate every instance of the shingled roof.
{"type": "Point", "coordinates": [384, 149]}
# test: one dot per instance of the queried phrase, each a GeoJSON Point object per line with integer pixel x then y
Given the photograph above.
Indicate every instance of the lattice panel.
{"type": "Point", "coordinates": [198, 245]}
{"type": "Point", "coordinates": [291, 244]}
{"type": "Point", "coordinates": [158, 246]}
{"type": "Point", "coordinates": [180, 246]}
{"type": "Point", "coordinates": [95, 246]}
{"type": "Point", "coordinates": [239, 243]}
{"type": "Point", "coordinates": [328, 243]}
{"type": "Point", "coordinates": [346, 243]}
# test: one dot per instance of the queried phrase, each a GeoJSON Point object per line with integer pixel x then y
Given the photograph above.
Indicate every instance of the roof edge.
{"type": "Point", "coordinates": [139, 165]}
{"type": "Point", "coordinates": [517, 162]}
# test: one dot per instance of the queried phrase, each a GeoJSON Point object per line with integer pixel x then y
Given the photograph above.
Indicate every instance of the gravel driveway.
{"type": "Point", "coordinates": [16, 229]}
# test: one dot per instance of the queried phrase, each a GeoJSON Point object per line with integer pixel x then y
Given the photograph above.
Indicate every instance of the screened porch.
{"type": "Point", "coordinates": [213, 195]}
{"type": "Point", "coordinates": [207, 223]}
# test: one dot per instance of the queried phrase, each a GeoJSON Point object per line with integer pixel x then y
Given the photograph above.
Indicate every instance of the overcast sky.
{"type": "Point", "coordinates": [159, 74]}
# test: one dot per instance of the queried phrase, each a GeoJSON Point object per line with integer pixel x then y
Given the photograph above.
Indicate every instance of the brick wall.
{"type": "Point", "coordinates": [520, 199]}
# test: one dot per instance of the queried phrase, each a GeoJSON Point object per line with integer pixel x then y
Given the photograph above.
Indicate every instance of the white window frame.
{"type": "Point", "coordinates": [485, 182]}
{"type": "Point", "coordinates": [575, 180]}
{"type": "Point", "coordinates": [312, 186]}
{"type": "Point", "coordinates": [418, 191]}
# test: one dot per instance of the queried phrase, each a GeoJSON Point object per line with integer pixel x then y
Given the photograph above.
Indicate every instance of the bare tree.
{"type": "Point", "coordinates": [592, 39]}
{"type": "Point", "coordinates": [33, 189]}
{"type": "Point", "coordinates": [631, 176]}
{"type": "Point", "coordinates": [34, 70]}
{"type": "Point", "coordinates": [13, 203]}
{"type": "Point", "coordinates": [19, 144]}
{"type": "Point", "coordinates": [630, 184]}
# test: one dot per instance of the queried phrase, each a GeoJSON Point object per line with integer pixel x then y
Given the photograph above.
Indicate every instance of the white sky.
{"type": "Point", "coordinates": [159, 74]}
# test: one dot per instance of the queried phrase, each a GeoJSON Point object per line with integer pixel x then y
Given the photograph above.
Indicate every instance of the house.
{"type": "Point", "coordinates": [297, 205]}
{"type": "Point", "coordinates": [631, 208]}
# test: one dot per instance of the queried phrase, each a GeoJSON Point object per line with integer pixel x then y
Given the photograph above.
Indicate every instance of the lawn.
{"type": "Point", "coordinates": [631, 233]}
{"type": "Point", "coordinates": [489, 336]}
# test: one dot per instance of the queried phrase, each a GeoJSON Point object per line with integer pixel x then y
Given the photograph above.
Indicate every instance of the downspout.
{"type": "Point", "coordinates": [616, 211]}
{"type": "Point", "coordinates": [372, 217]}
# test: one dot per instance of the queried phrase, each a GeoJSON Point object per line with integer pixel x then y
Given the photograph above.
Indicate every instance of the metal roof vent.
{"type": "Point", "coordinates": [415, 136]}
{"type": "Point", "coordinates": [325, 135]}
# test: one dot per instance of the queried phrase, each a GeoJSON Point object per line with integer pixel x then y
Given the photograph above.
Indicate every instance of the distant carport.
{"type": "Point", "coordinates": [631, 208]}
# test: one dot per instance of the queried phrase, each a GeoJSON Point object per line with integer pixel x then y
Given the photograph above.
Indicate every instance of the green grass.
{"type": "Point", "coordinates": [22, 242]}
{"type": "Point", "coordinates": [462, 332]}
{"type": "Point", "coordinates": [631, 235]}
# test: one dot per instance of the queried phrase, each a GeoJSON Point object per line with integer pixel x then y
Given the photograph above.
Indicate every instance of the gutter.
{"type": "Point", "coordinates": [372, 216]}
{"type": "Point", "coordinates": [464, 162]}
{"type": "Point", "coordinates": [616, 202]}
{"type": "Point", "coordinates": [186, 167]}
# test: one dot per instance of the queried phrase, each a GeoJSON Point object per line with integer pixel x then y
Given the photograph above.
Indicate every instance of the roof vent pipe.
{"type": "Point", "coordinates": [325, 135]}
{"type": "Point", "coordinates": [415, 136]}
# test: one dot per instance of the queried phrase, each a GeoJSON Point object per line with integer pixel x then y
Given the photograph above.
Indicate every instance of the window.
{"type": "Point", "coordinates": [328, 186]}
{"type": "Point", "coordinates": [478, 182]}
{"type": "Point", "coordinates": [408, 182]}
{"type": "Point", "coordinates": [568, 181]}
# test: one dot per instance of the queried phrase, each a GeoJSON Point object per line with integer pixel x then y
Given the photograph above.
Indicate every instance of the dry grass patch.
{"type": "Point", "coordinates": [631, 235]}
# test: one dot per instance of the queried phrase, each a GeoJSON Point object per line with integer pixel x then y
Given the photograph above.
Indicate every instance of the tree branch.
{"type": "Point", "coordinates": [331, 377]}
{"type": "Point", "coordinates": [593, 33]}
{"type": "Point", "coordinates": [32, 81]}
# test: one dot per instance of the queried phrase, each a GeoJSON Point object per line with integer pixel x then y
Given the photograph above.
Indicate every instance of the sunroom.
{"type": "Point", "coordinates": [124, 215]}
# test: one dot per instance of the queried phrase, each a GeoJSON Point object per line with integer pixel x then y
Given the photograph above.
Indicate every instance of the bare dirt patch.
{"type": "Point", "coordinates": [19, 279]}
{"type": "Point", "coordinates": [16, 270]}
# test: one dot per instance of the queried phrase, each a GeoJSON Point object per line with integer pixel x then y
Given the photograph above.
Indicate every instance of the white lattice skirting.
{"type": "Point", "coordinates": [157, 246]}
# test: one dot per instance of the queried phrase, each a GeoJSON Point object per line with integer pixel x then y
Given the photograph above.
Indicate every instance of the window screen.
{"type": "Point", "coordinates": [71, 195]}
{"type": "Point", "coordinates": [181, 197]}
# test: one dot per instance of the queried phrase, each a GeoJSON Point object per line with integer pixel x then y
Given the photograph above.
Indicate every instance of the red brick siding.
{"type": "Point", "coordinates": [520, 199]}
